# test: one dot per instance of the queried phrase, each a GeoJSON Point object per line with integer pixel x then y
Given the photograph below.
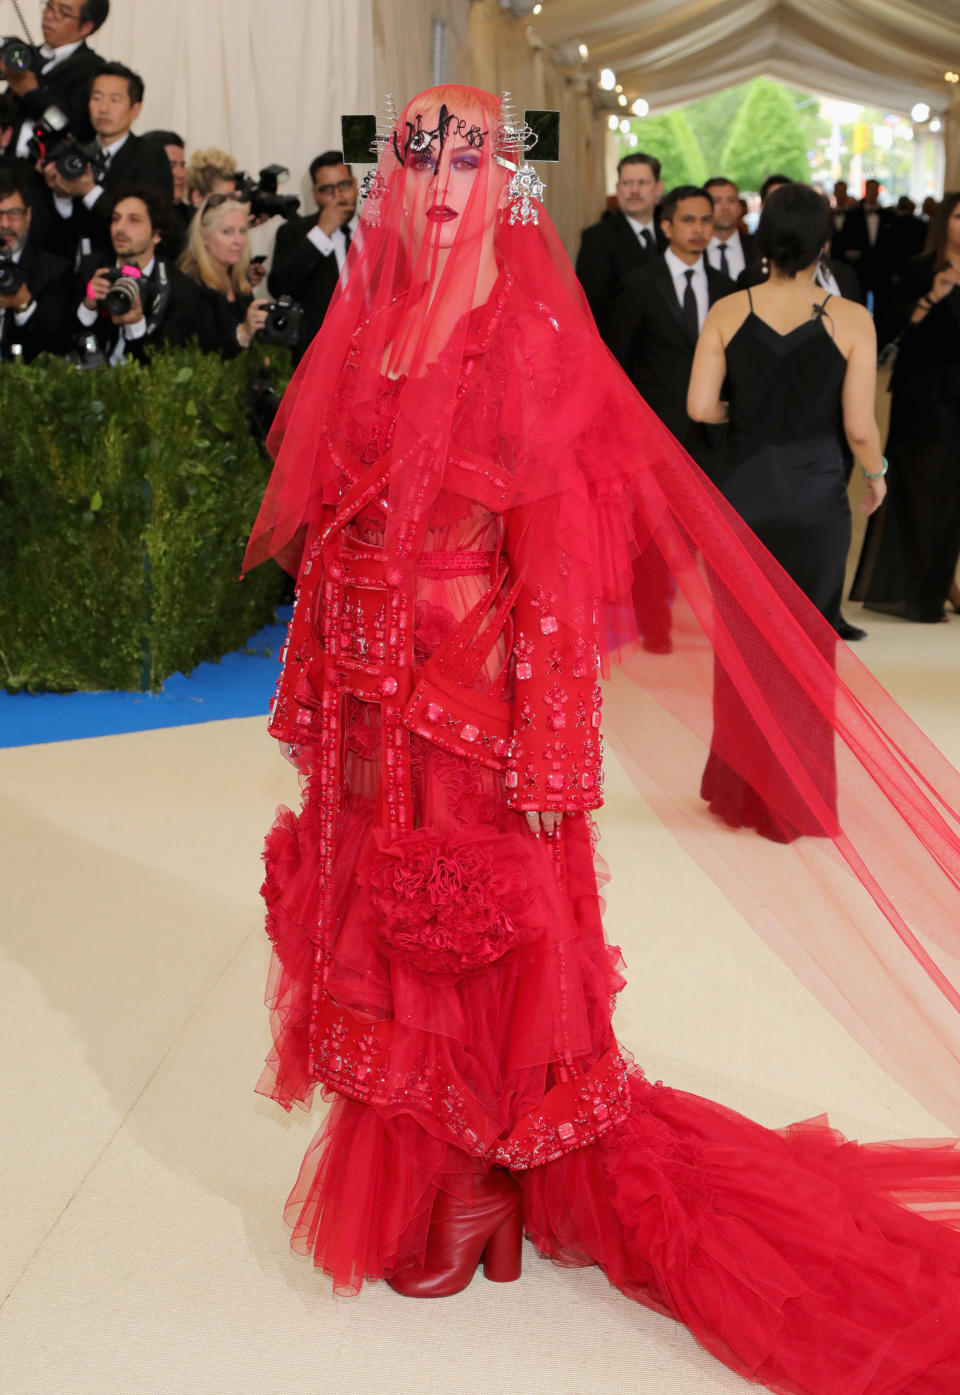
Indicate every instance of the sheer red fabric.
{"type": "Point", "coordinates": [456, 419]}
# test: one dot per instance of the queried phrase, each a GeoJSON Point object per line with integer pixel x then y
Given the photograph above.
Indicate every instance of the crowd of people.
{"type": "Point", "coordinates": [112, 241]}
{"type": "Point", "coordinates": [655, 265]}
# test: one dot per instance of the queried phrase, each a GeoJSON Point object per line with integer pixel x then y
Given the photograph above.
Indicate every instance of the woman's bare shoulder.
{"type": "Point", "coordinates": [854, 322]}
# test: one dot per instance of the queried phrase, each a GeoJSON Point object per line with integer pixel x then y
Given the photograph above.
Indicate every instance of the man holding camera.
{"type": "Point", "coordinates": [141, 299]}
{"type": "Point", "coordinates": [310, 252]}
{"type": "Point", "coordinates": [120, 158]}
{"type": "Point", "coordinates": [61, 72]}
{"type": "Point", "coordinates": [35, 286]}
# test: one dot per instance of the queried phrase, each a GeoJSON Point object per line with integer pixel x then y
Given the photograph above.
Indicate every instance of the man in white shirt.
{"type": "Point", "coordinates": [116, 97]}
{"type": "Point", "coordinates": [164, 308]}
{"type": "Point", "coordinates": [64, 70]}
{"type": "Point", "coordinates": [624, 239]}
{"type": "Point", "coordinates": [310, 252]}
{"type": "Point", "coordinates": [729, 251]}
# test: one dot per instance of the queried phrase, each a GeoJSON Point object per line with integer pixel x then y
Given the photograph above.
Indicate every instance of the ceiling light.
{"type": "Point", "coordinates": [537, 9]}
{"type": "Point", "coordinates": [920, 112]}
{"type": "Point", "coordinates": [622, 100]}
{"type": "Point", "coordinates": [583, 51]}
{"type": "Point", "coordinates": [613, 121]}
{"type": "Point", "coordinates": [619, 87]}
{"type": "Point", "coordinates": [936, 125]}
{"type": "Point", "coordinates": [640, 107]}
{"type": "Point", "coordinates": [952, 77]}
{"type": "Point", "coordinates": [608, 79]}
{"type": "Point", "coordinates": [625, 126]}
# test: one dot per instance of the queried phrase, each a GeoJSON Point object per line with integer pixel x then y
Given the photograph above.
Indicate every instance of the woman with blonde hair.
{"type": "Point", "coordinates": [217, 257]}
{"type": "Point", "coordinates": [210, 171]}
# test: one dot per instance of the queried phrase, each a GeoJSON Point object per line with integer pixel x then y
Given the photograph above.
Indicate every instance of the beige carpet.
{"type": "Point", "coordinates": [142, 1248]}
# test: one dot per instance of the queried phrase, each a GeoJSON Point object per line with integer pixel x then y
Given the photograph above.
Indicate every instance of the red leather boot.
{"type": "Point", "coordinates": [489, 1227]}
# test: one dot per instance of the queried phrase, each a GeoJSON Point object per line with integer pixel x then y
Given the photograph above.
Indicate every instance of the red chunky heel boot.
{"type": "Point", "coordinates": [490, 1227]}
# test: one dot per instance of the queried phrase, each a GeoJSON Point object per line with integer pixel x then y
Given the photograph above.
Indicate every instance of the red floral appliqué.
{"type": "Point", "coordinates": [450, 905]}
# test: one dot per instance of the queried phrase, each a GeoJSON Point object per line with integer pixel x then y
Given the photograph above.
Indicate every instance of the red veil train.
{"type": "Point", "coordinates": [470, 492]}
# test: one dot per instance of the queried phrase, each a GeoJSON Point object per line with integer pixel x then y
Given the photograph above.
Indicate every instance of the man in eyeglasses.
{"type": "Point", "coordinates": [310, 252]}
{"type": "Point", "coordinates": [36, 287]}
{"type": "Point", "coordinates": [66, 67]}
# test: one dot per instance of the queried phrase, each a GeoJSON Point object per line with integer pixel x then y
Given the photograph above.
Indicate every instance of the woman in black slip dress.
{"type": "Point", "coordinates": [908, 563]}
{"type": "Point", "coordinates": [798, 372]}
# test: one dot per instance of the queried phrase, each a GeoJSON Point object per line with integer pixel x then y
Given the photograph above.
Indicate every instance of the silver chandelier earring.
{"type": "Point", "coordinates": [521, 200]}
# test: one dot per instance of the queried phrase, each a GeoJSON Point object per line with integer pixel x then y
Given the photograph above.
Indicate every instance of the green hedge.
{"type": "Point", "coordinates": [126, 497]}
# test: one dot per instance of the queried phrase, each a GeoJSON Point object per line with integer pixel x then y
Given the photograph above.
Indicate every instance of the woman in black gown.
{"type": "Point", "coordinates": [798, 370]}
{"type": "Point", "coordinates": [909, 558]}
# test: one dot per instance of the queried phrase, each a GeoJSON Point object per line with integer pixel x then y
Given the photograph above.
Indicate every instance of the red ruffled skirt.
{"type": "Point", "coordinates": [803, 1261]}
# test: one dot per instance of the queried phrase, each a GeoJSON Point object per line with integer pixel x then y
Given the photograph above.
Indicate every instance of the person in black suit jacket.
{"type": "Point", "coordinates": [623, 241]}
{"type": "Point", "coordinates": [729, 251]}
{"type": "Point", "coordinates": [872, 245]}
{"type": "Point", "coordinates": [36, 315]}
{"type": "Point", "coordinates": [116, 97]}
{"type": "Point", "coordinates": [658, 314]}
{"type": "Point", "coordinates": [167, 307]}
{"type": "Point", "coordinates": [65, 69]}
{"type": "Point", "coordinates": [309, 252]}
{"type": "Point", "coordinates": [175, 233]}
{"type": "Point", "coordinates": [653, 332]}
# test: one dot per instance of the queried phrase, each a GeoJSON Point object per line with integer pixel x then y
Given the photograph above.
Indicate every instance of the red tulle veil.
{"type": "Point", "coordinates": [847, 854]}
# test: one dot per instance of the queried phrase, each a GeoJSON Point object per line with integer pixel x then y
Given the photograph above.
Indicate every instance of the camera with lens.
{"type": "Point", "coordinates": [52, 143]}
{"type": "Point", "coordinates": [124, 292]}
{"type": "Point", "coordinates": [11, 277]}
{"type": "Point", "coordinates": [18, 57]}
{"type": "Point", "coordinates": [284, 322]}
{"type": "Point", "coordinates": [261, 194]}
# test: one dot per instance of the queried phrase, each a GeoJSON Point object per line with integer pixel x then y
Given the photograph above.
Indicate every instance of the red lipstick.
{"type": "Point", "coordinates": [440, 213]}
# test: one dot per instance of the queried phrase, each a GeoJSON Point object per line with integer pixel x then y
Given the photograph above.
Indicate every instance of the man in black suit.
{"type": "Point", "coordinates": [35, 313]}
{"type": "Point", "coordinates": [624, 240]}
{"type": "Point", "coordinates": [729, 251]}
{"type": "Point", "coordinates": [872, 246]}
{"type": "Point", "coordinates": [165, 310]}
{"type": "Point", "coordinates": [66, 67]}
{"type": "Point", "coordinates": [653, 332]}
{"type": "Point", "coordinates": [175, 237]}
{"type": "Point", "coordinates": [659, 314]}
{"type": "Point", "coordinates": [116, 97]}
{"type": "Point", "coordinates": [309, 252]}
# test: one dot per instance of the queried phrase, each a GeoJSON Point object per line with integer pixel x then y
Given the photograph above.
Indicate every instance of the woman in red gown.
{"type": "Point", "coordinates": [463, 481]}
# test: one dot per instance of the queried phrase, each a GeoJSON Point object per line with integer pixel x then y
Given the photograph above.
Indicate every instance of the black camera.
{"type": "Point", "coordinates": [17, 56]}
{"type": "Point", "coordinates": [124, 292]}
{"type": "Point", "coordinates": [52, 143]}
{"type": "Point", "coordinates": [87, 353]}
{"type": "Point", "coordinates": [261, 194]}
{"type": "Point", "coordinates": [284, 322]}
{"type": "Point", "coordinates": [11, 277]}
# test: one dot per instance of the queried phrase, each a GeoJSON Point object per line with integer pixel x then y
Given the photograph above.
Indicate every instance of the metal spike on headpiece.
{"type": "Point", "coordinates": [374, 186]}
{"type": "Point", "coordinates": [386, 122]}
{"type": "Point", "coordinates": [515, 137]}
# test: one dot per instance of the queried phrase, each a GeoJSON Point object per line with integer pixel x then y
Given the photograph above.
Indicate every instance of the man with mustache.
{"type": "Point", "coordinates": [35, 313]}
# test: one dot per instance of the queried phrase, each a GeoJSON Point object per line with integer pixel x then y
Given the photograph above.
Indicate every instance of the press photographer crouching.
{"type": "Point", "coordinates": [217, 259]}
{"type": "Point", "coordinates": [36, 287]}
{"type": "Point", "coordinates": [135, 298]}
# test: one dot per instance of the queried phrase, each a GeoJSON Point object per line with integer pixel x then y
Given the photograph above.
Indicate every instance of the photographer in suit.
{"type": "Point", "coordinates": [116, 97]}
{"type": "Point", "coordinates": [160, 303]}
{"type": "Point", "coordinates": [65, 68]}
{"type": "Point", "coordinates": [625, 240]}
{"type": "Point", "coordinates": [36, 287]}
{"type": "Point", "coordinates": [310, 252]}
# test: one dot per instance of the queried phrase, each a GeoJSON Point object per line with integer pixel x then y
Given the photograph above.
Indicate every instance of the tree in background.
{"type": "Point", "coordinates": [766, 137]}
{"type": "Point", "coordinates": [711, 120]}
{"type": "Point", "coordinates": [670, 138]}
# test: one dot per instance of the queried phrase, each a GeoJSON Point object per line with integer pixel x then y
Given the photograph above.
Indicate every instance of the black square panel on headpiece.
{"type": "Point", "coordinates": [546, 127]}
{"type": "Point", "coordinates": [358, 134]}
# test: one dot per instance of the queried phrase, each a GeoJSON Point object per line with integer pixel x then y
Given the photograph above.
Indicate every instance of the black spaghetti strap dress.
{"type": "Point", "coordinates": [785, 476]}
